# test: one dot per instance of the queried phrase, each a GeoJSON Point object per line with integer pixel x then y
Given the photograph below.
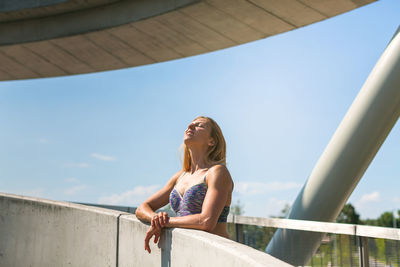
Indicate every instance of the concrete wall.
{"type": "Point", "coordinates": [40, 232]}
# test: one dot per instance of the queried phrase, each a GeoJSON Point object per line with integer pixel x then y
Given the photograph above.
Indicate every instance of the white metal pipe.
{"type": "Point", "coordinates": [355, 143]}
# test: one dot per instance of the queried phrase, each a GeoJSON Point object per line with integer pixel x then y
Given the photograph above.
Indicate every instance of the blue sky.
{"type": "Point", "coordinates": [113, 137]}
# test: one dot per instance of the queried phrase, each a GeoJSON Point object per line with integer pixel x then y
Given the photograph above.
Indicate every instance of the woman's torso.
{"type": "Point", "coordinates": [187, 198]}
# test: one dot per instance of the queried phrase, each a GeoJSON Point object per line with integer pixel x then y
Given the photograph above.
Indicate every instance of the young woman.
{"type": "Point", "coordinates": [201, 192]}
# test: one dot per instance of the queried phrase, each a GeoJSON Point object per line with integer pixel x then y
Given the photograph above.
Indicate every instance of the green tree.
{"type": "Point", "coordinates": [348, 215]}
{"type": "Point", "coordinates": [398, 219]}
{"type": "Point", "coordinates": [386, 219]}
{"type": "Point", "coordinates": [372, 222]}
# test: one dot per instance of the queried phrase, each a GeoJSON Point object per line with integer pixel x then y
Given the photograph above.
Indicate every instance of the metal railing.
{"type": "Point", "coordinates": [361, 233]}
{"type": "Point", "coordinates": [111, 207]}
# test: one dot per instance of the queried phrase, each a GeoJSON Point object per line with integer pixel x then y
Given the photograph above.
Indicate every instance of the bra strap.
{"type": "Point", "coordinates": [205, 176]}
{"type": "Point", "coordinates": [180, 177]}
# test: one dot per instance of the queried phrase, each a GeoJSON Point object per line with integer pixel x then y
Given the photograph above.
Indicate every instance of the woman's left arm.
{"type": "Point", "coordinates": [219, 188]}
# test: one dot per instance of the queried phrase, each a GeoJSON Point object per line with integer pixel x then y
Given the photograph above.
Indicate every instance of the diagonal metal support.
{"type": "Point", "coordinates": [355, 143]}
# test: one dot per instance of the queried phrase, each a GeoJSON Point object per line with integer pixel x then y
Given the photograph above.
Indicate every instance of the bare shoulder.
{"type": "Point", "coordinates": [219, 174]}
{"type": "Point", "coordinates": [219, 169]}
{"type": "Point", "coordinates": [175, 177]}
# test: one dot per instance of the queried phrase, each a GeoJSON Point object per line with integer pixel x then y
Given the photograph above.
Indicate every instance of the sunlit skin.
{"type": "Point", "coordinates": [219, 193]}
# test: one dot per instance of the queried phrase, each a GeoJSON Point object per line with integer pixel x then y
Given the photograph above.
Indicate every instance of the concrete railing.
{"type": "Point", "coordinates": [40, 232]}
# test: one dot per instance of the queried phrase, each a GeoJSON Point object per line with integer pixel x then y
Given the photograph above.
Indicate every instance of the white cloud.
{"type": "Point", "coordinates": [103, 157]}
{"type": "Point", "coordinates": [77, 165]}
{"type": "Point", "coordinates": [255, 188]}
{"type": "Point", "coordinates": [132, 197]}
{"type": "Point", "coordinates": [75, 189]}
{"type": "Point", "coordinates": [368, 198]}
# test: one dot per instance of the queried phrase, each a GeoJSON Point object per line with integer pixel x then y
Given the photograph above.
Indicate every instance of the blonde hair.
{"type": "Point", "coordinates": [216, 154]}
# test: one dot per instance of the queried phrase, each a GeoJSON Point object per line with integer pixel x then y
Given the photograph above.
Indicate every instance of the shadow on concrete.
{"type": "Point", "coordinates": [165, 245]}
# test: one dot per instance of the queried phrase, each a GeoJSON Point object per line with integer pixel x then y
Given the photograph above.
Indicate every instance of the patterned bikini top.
{"type": "Point", "coordinates": [192, 200]}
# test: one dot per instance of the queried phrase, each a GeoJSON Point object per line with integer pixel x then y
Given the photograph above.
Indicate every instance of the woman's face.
{"type": "Point", "coordinates": [198, 132]}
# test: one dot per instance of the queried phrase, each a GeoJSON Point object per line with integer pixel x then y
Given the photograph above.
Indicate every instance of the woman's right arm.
{"type": "Point", "coordinates": [146, 210]}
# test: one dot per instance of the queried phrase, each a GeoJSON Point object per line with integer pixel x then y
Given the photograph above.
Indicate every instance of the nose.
{"type": "Point", "coordinates": [190, 127]}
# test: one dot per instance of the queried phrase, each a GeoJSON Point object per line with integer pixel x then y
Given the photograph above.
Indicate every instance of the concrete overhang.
{"type": "Point", "coordinates": [48, 38]}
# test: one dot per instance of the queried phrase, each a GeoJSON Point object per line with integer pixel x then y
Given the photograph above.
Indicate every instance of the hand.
{"type": "Point", "coordinates": [159, 220]}
{"type": "Point", "coordinates": [149, 234]}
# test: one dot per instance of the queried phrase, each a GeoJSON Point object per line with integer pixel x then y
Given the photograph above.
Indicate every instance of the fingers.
{"type": "Point", "coordinates": [163, 218]}
{"type": "Point", "coordinates": [166, 218]}
{"type": "Point", "coordinates": [155, 222]}
{"type": "Point", "coordinates": [160, 220]}
{"type": "Point", "coordinates": [147, 247]}
{"type": "Point", "coordinates": [146, 242]}
{"type": "Point", "coordinates": [156, 238]}
{"type": "Point", "coordinates": [149, 234]}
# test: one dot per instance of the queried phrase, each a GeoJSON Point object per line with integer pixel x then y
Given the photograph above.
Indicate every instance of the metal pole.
{"type": "Point", "coordinates": [358, 138]}
{"type": "Point", "coordinates": [351, 251]}
{"type": "Point", "coordinates": [340, 250]}
{"type": "Point", "coordinates": [335, 261]}
{"type": "Point", "coordinates": [322, 261]}
{"type": "Point", "coordinates": [360, 252]}
{"type": "Point", "coordinates": [330, 249]}
{"type": "Point", "coordinates": [239, 232]}
{"type": "Point", "coordinates": [363, 251]}
{"type": "Point", "coordinates": [312, 262]}
{"type": "Point", "coordinates": [386, 251]}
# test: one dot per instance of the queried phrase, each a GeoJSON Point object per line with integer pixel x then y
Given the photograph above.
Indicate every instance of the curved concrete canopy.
{"type": "Point", "coordinates": [47, 38]}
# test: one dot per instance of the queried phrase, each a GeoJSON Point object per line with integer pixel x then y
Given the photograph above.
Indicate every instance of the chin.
{"type": "Point", "coordinates": [188, 140]}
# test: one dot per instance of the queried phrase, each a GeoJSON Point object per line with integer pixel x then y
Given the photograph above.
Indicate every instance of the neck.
{"type": "Point", "coordinates": [198, 159]}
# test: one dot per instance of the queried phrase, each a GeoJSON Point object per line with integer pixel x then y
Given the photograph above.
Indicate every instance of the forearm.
{"type": "Point", "coordinates": [144, 212]}
{"type": "Point", "coordinates": [195, 221]}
